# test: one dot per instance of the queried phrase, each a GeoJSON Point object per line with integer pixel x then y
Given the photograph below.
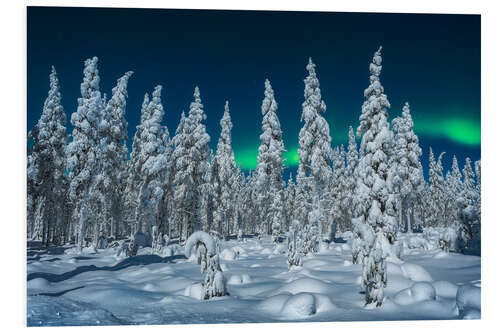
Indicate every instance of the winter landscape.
{"type": "Point", "coordinates": [167, 227]}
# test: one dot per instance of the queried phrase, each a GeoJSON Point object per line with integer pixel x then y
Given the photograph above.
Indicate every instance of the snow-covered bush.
{"type": "Point", "coordinates": [198, 247]}
{"type": "Point", "coordinates": [203, 248]}
{"type": "Point", "coordinates": [214, 284]}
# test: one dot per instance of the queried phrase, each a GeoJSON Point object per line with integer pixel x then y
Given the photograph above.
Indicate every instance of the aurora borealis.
{"type": "Point", "coordinates": [431, 61]}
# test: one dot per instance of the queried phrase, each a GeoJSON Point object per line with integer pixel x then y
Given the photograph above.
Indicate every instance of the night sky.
{"type": "Point", "coordinates": [431, 61]}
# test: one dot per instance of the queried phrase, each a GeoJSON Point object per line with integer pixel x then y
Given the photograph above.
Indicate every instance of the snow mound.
{"type": "Point", "coordinates": [419, 292]}
{"type": "Point", "coordinates": [469, 302]}
{"type": "Point", "coordinates": [415, 272]}
{"type": "Point", "coordinates": [308, 285]}
{"type": "Point", "coordinates": [194, 291]}
{"type": "Point", "coordinates": [296, 306]}
{"type": "Point", "coordinates": [445, 289]}
{"type": "Point", "coordinates": [394, 269]}
{"type": "Point", "coordinates": [228, 254]}
{"type": "Point", "coordinates": [299, 306]}
{"type": "Point", "coordinates": [239, 279]}
{"type": "Point", "coordinates": [273, 304]}
{"type": "Point", "coordinates": [38, 283]}
{"type": "Point", "coordinates": [347, 263]}
{"type": "Point", "coordinates": [266, 251]}
{"type": "Point", "coordinates": [85, 250]}
{"type": "Point", "coordinates": [441, 255]}
{"type": "Point", "coordinates": [417, 242]}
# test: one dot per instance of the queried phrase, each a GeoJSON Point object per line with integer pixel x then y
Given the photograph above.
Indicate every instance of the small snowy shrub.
{"type": "Point", "coordinates": [214, 284]}
{"type": "Point", "coordinates": [203, 248]}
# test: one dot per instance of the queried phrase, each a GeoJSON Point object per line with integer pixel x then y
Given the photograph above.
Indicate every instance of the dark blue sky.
{"type": "Point", "coordinates": [432, 61]}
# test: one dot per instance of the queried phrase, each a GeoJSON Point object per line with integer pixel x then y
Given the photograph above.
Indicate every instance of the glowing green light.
{"type": "Point", "coordinates": [247, 158]}
{"type": "Point", "coordinates": [461, 130]}
{"type": "Point", "coordinates": [291, 157]}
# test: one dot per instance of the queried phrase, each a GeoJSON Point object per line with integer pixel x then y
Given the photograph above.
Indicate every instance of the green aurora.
{"type": "Point", "coordinates": [458, 129]}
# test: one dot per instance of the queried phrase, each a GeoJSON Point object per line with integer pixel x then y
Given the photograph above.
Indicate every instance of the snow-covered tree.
{"type": "Point", "coordinates": [437, 191]}
{"type": "Point", "coordinates": [340, 199]}
{"type": "Point", "coordinates": [477, 166]}
{"type": "Point", "coordinates": [276, 210]}
{"type": "Point", "coordinates": [150, 155]}
{"type": "Point", "coordinates": [269, 170]}
{"type": "Point", "coordinates": [46, 167]}
{"type": "Point", "coordinates": [135, 163]}
{"type": "Point", "coordinates": [225, 177]}
{"type": "Point", "coordinates": [289, 202]}
{"type": "Point", "coordinates": [453, 186]}
{"type": "Point", "coordinates": [208, 195]}
{"type": "Point", "coordinates": [352, 160]}
{"type": "Point", "coordinates": [467, 210]}
{"type": "Point", "coordinates": [405, 168]}
{"type": "Point", "coordinates": [190, 160]}
{"type": "Point", "coordinates": [375, 204]}
{"type": "Point", "coordinates": [294, 245]}
{"type": "Point", "coordinates": [113, 131]}
{"type": "Point", "coordinates": [84, 152]}
{"type": "Point", "coordinates": [314, 146]}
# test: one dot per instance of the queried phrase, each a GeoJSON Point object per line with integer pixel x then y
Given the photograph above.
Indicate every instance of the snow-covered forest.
{"type": "Point", "coordinates": [360, 214]}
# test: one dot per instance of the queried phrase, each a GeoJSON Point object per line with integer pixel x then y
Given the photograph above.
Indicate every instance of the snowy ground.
{"type": "Point", "coordinates": [101, 289]}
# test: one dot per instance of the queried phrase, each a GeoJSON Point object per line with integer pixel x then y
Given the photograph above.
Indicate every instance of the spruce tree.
{"type": "Point", "coordinates": [374, 222]}
{"type": "Point", "coordinates": [269, 170]}
{"type": "Point", "coordinates": [352, 160]}
{"type": "Point", "coordinates": [191, 161]}
{"type": "Point", "coordinates": [437, 192]}
{"type": "Point", "coordinates": [113, 131]}
{"type": "Point", "coordinates": [84, 152]}
{"type": "Point", "coordinates": [225, 177]}
{"type": "Point", "coordinates": [314, 148]}
{"type": "Point", "coordinates": [453, 186]}
{"type": "Point", "coordinates": [46, 166]}
{"type": "Point", "coordinates": [405, 168]}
